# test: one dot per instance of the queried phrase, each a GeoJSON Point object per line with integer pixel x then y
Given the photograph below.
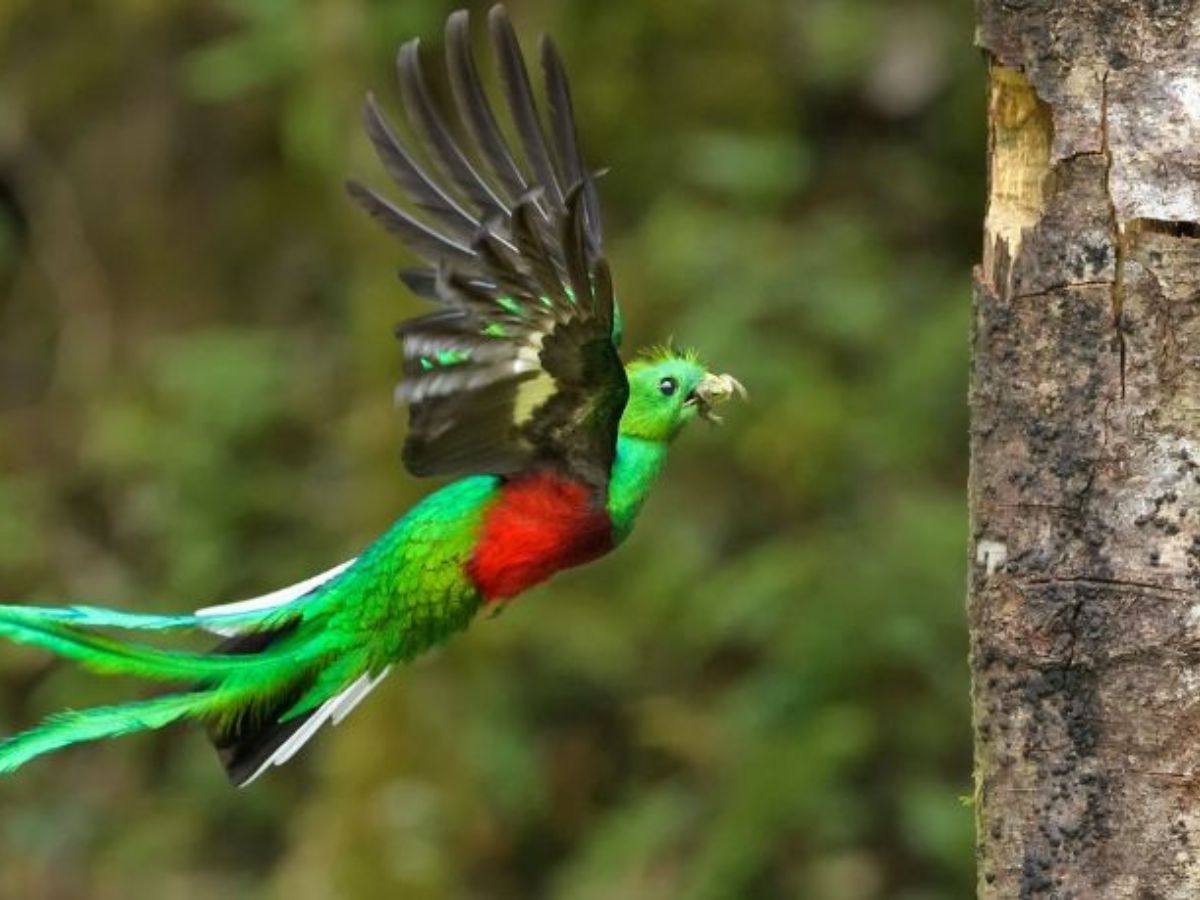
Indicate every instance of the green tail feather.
{"type": "Point", "coordinates": [74, 727]}
{"type": "Point", "coordinates": [235, 690]}
{"type": "Point", "coordinates": [98, 617]}
{"type": "Point", "coordinates": [108, 656]}
{"type": "Point", "coordinates": [254, 692]}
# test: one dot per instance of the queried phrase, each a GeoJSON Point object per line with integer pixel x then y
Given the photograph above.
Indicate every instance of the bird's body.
{"type": "Point", "coordinates": [477, 542]}
{"type": "Point", "coordinates": [515, 386]}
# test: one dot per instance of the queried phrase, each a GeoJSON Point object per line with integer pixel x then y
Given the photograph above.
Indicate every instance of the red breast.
{"type": "Point", "coordinates": [539, 524]}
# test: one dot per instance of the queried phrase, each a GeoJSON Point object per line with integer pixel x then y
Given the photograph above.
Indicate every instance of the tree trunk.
{"type": "Point", "coordinates": [1085, 453]}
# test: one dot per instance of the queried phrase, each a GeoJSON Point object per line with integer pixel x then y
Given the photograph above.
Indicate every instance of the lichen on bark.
{"type": "Point", "coordinates": [1085, 453]}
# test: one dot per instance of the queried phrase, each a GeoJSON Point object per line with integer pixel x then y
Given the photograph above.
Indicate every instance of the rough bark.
{"type": "Point", "coordinates": [1085, 453]}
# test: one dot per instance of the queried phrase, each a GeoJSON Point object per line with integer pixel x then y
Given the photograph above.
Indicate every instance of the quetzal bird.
{"type": "Point", "coordinates": [514, 386]}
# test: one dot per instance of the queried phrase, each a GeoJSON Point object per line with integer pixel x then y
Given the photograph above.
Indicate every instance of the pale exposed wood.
{"type": "Point", "coordinates": [1019, 136]}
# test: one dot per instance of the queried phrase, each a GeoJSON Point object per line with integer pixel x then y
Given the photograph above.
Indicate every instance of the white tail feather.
{"type": "Point", "coordinates": [273, 600]}
{"type": "Point", "coordinates": [350, 699]}
{"type": "Point", "coordinates": [334, 709]}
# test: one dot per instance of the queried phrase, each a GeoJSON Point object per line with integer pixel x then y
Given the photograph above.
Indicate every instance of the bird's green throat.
{"type": "Point", "coordinates": [634, 471]}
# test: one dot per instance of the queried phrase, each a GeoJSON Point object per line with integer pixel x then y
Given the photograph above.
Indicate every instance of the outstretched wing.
{"type": "Point", "coordinates": [519, 367]}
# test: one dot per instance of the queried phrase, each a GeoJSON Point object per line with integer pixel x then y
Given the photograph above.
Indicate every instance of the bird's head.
{"type": "Point", "coordinates": [669, 388]}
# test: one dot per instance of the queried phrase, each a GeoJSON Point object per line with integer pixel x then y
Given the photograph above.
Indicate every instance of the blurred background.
{"type": "Point", "coordinates": [763, 695]}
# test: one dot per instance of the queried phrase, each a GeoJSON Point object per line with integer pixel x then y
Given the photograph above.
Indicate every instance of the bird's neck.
{"type": "Point", "coordinates": [634, 471]}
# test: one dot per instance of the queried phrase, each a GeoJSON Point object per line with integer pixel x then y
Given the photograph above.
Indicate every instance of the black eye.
{"type": "Point", "coordinates": [668, 386]}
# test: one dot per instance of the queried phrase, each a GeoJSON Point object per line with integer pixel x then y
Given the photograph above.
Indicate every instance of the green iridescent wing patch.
{"type": "Point", "coordinates": [519, 366]}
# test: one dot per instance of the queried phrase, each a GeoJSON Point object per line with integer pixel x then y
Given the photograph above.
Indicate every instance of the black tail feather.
{"type": "Point", "coordinates": [247, 742]}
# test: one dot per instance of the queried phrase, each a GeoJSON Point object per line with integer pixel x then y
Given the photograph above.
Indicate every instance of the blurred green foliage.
{"type": "Point", "coordinates": [763, 695]}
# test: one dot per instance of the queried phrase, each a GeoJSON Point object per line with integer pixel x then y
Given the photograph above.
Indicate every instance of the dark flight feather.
{"type": "Point", "coordinates": [520, 103]}
{"type": "Point", "coordinates": [566, 138]}
{"type": "Point", "coordinates": [423, 283]}
{"type": "Point", "coordinates": [533, 249]}
{"type": "Point", "coordinates": [420, 238]}
{"type": "Point", "coordinates": [502, 267]}
{"type": "Point", "coordinates": [576, 252]}
{"type": "Point", "coordinates": [409, 176]}
{"type": "Point", "coordinates": [425, 120]}
{"type": "Point", "coordinates": [473, 105]}
{"type": "Point", "coordinates": [602, 292]}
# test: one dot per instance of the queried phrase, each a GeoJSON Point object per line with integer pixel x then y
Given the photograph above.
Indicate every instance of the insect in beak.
{"type": "Point", "coordinates": [712, 391]}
